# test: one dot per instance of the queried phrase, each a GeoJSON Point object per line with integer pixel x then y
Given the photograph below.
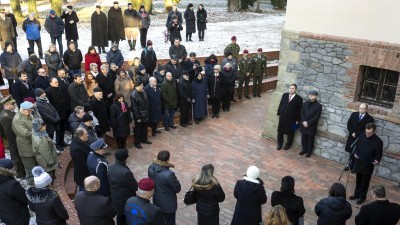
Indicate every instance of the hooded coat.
{"type": "Point", "coordinates": [47, 206]}
{"type": "Point", "coordinates": [200, 92]}
{"type": "Point", "coordinates": [154, 96]}
{"type": "Point", "coordinates": [190, 20]}
{"type": "Point", "coordinates": [99, 29]}
{"type": "Point", "coordinates": [166, 186]}
{"type": "Point", "coordinates": [116, 29]}
{"type": "Point", "coordinates": [119, 120]}
{"type": "Point", "coordinates": [333, 211]}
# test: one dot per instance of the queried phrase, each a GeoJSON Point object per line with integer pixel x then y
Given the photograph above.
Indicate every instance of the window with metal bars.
{"type": "Point", "coordinates": [379, 86]}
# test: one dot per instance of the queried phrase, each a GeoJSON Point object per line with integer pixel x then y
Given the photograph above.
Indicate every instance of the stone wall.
{"type": "Point", "coordinates": [331, 65]}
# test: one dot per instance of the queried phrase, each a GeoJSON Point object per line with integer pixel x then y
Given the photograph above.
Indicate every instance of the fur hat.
{"type": "Point", "coordinates": [253, 172]}
{"type": "Point", "coordinates": [87, 117]}
{"type": "Point", "coordinates": [146, 184]}
{"type": "Point", "coordinates": [39, 92]}
{"type": "Point", "coordinates": [40, 177]}
{"type": "Point", "coordinates": [121, 155]}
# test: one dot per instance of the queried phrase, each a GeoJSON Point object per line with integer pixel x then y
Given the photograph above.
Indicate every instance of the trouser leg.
{"type": "Point", "coordinates": [171, 117]}
{"type": "Point", "coordinates": [60, 133]}
{"type": "Point", "coordinates": [39, 45]}
{"type": "Point", "coordinates": [15, 43]}
{"type": "Point", "coordinates": [239, 90]}
{"type": "Point", "coordinates": [366, 178]}
{"type": "Point", "coordinates": [18, 165]}
{"type": "Point", "coordinates": [184, 117]}
{"type": "Point", "coordinates": [10, 83]}
{"type": "Point", "coordinates": [290, 138]}
{"type": "Point", "coordinates": [246, 85]}
{"type": "Point", "coordinates": [60, 45]}
{"type": "Point", "coordinates": [357, 190]}
{"type": "Point", "coordinates": [29, 163]}
{"type": "Point", "coordinates": [138, 133]}
{"type": "Point", "coordinates": [121, 220]}
{"type": "Point", "coordinates": [31, 45]}
{"type": "Point", "coordinates": [310, 144]}
{"type": "Point", "coordinates": [280, 138]}
{"type": "Point", "coordinates": [165, 117]}
{"type": "Point", "coordinates": [169, 218]}
{"type": "Point", "coordinates": [216, 105]}
{"type": "Point", "coordinates": [304, 142]}
{"type": "Point", "coordinates": [225, 99]}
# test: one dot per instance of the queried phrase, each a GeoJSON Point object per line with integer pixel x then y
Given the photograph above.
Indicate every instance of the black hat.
{"type": "Point", "coordinates": [115, 2]}
{"type": "Point", "coordinates": [86, 117]}
{"type": "Point", "coordinates": [313, 92]}
{"type": "Point", "coordinates": [129, 4]}
{"type": "Point", "coordinates": [7, 44]}
{"type": "Point", "coordinates": [39, 92]}
{"type": "Point", "coordinates": [97, 89]}
{"type": "Point", "coordinates": [69, 7]}
{"type": "Point", "coordinates": [190, 5]}
{"type": "Point", "coordinates": [98, 6]}
{"type": "Point", "coordinates": [87, 107]}
{"type": "Point", "coordinates": [33, 59]}
{"type": "Point", "coordinates": [160, 67]}
{"type": "Point", "coordinates": [174, 57]}
{"type": "Point", "coordinates": [6, 163]}
{"type": "Point", "coordinates": [138, 83]}
{"type": "Point", "coordinates": [121, 155]}
{"type": "Point", "coordinates": [228, 54]}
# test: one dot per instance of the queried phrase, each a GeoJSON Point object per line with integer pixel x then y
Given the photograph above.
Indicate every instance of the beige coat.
{"type": "Point", "coordinates": [126, 86]}
{"type": "Point", "coordinates": [45, 152]}
{"type": "Point", "coordinates": [22, 127]}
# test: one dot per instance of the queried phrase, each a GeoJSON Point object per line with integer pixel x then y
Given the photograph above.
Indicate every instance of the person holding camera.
{"type": "Point", "coordinates": [174, 28]}
{"type": "Point", "coordinates": [192, 66]}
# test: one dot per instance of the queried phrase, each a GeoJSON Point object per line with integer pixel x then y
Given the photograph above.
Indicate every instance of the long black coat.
{"type": "Point", "coordinates": [333, 211]}
{"type": "Point", "coordinates": [77, 94]}
{"type": "Point", "coordinates": [14, 203]}
{"type": "Point", "coordinates": [20, 91]}
{"type": "Point", "coordinates": [289, 112]}
{"type": "Point", "coordinates": [71, 30]}
{"type": "Point", "coordinates": [379, 212]}
{"type": "Point", "coordinates": [214, 84]}
{"type": "Point", "coordinates": [154, 95]}
{"type": "Point", "coordinates": [49, 115]}
{"type": "Point", "coordinates": [140, 106]}
{"type": "Point", "coordinates": [42, 82]}
{"type": "Point", "coordinates": [92, 208]}
{"type": "Point", "coordinates": [201, 19]}
{"type": "Point", "coordinates": [99, 110]}
{"type": "Point", "coordinates": [228, 80]}
{"type": "Point", "coordinates": [119, 120]}
{"type": "Point", "coordinates": [116, 30]}
{"type": "Point", "coordinates": [368, 150]}
{"type": "Point", "coordinates": [179, 51]}
{"type": "Point", "coordinates": [292, 203]}
{"type": "Point", "coordinates": [174, 31]}
{"type": "Point", "coordinates": [123, 185]}
{"type": "Point", "coordinates": [176, 70]}
{"type": "Point", "coordinates": [58, 100]}
{"type": "Point", "coordinates": [47, 206]}
{"type": "Point", "coordinates": [10, 61]}
{"type": "Point", "coordinates": [99, 29]}
{"type": "Point", "coordinates": [79, 151]}
{"type": "Point", "coordinates": [354, 125]}
{"type": "Point", "coordinates": [208, 197]}
{"type": "Point", "coordinates": [184, 91]}
{"type": "Point", "coordinates": [250, 196]}
{"type": "Point", "coordinates": [149, 59]}
{"type": "Point", "coordinates": [310, 112]}
{"type": "Point", "coordinates": [190, 20]}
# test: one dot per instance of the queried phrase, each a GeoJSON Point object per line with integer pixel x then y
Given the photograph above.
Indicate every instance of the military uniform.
{"type": "Point", "coordinates": [245, 67]}
{"type": "Point", "coordinates": [233, 48]}
{"type": "Point", "coordinates": [259, 65]}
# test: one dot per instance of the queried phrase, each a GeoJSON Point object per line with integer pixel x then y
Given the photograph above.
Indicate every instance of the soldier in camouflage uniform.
{"type": "Point", "coordinates": [233, 48]}
{"type": "Point", "coordinates": [245, 70]}
{"type": "Point", "coordinates": [259, 65]}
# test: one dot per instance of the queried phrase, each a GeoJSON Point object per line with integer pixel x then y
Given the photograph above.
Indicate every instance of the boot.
{"type": "Point", "coordinates": [104, 50]}
{"type": "Point", "coordinates": [99, 50]}
{"type": "Point", "coordinates": [133, 45]}
{"type": "Point", "coordinates": [190, 37]}
{"type": "Point", "coordinates": [187, 37]}
{"type": "Point", "coordinates": [130, 45]}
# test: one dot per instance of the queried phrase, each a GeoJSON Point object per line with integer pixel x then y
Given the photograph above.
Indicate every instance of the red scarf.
{"type": "Point", "coordinates": [123, 108]}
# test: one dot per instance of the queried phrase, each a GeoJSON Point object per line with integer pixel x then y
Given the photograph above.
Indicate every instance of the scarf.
{"type": "Point", "coordinates": [123, 108]}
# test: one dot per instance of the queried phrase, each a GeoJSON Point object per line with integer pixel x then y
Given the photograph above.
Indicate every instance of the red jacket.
{"type": "Point", "coordinates": [92, 58]}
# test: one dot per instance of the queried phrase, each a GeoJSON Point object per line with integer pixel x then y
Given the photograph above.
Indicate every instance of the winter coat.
{"type": "Point", "coordinates": [169, 17]}
{"type": "Point", "coordinates": [45, 152]}
{"type": "Point", "coordinates": [54, 62]}
{"type": "Point", "coordinates": [30, 69]}
{"type": "Point", "coordinates": [148, 59]}
{"type": "Point", "coordinates": [154, 95]}
{"type": "Point", "coordinates": [32, 29]}
{"type": "Point", "coordinates": [41, 82]}
{"type": "Point", "coordinates": [233, 48]}
{"type": "Point", "coordinates": [54, 26]}
{"type": "Point", "coordinates": [14, 203]}
{"type": "Point", "coordinates": [49, 115]}
{"type": "Point", "coordinates": [174, 31]}
{"type": "Point", "coordinates": [245, 66]}
{"type": "Point", "coordinates": [228, 80]}
{"type": "Point", "coordinates": [176, 70]}
{"type": "Point", "coordinates": [368, 150]}
{"type": "Point", "coordinates": [333, 211]}
{"type": "Point", "coordinates": [64, 84]}
{"type": "Point", "coordinates": [123, 185]}
{"type": "Point", "coordinates": [233, 62]}
{"type": "Point", "coordinates": [357, 126]}
{"type": "Point", "coordinates": [119, 120]}
{"type": "Point", "coordinates": [93, 208]}
{"type": "Point", "coordinates": [145, 209]}
{"type": "Point", "coordinates": [209, 66]}
{"type": "Point", "coordinates": [57, 99]}
{"type": "Point", "coordinates": [378, 212]}
{"type": "Point", "coordinates": [6, 31]}
{"type": "Point", "coordinates": [71, 30]}
{"type": "Point", "coordinates": [116, 30]}
{"type": "Point", "coordinates": [190, 19]}
{"type": "Point", "coordinates": [115, 57]}
{"type": "Point", "coordinates": [310, 112]}
{"type": "Point", "coordinates": [98, 166]}
{"type": "Point", "coordinates": [289, 113]}
{"type": "Point", "coordinates": [292, 203]}
{"type": "Point", "coordinates": [6, 132]}
{"type": "Point", "coordinates": [214, 84]}
{"type": "Point", "coordinates": [20, 91]}
{"type": "Point", "coordinates": [99, 110]}
{"type": "Point", "coordinates": [78, 95]}
{"type": "Point", "coordinates": [179, 51]}
{"type": "Point", "coordinates": [99, 29]}
{"type": "Point", "coordinates": [106, 83]}
{"type": "Point", "coordinates": [73, 122]}
{"type": "Point", "coordinates": [187, 66]}
{"type": "Point", "coordinates": [259, 65]}
{"type": "Point", "coordinates": [10, 62]}
{"type": "Point", "coordinates": [160, 78]}
{"type": "Point", "coordinates": [166, 186]}
{"type": "Point", "coordinates": [13, 21]}
{"type": "Point", "coordinates": [79, 151]}
{"type": "Point", "coordinates": [208, 196]}
{"type": "Point", "coordinates": [140, 106]}
{"type": "Point", "coordinates": [131, 18]}
{"type": "Point", "coordinates": [73, 59]}
{"type": "Point", "coordinates": [200, 104]}
{"type": "Point", "coordinates": [184, 91]}
{"type": "Point", "coordinates": [250, 196]}
{"type": "Point", "coordinates": [92, 58]}
{"type": "Point", "coordinates": [144, 78]}
{"type": "Point", "coordinates": [22, 127]}
{"type": "Point", "coordinates": [125, 86]}
{"type": "Point", "coordinates": [201, 19]}
{"type": "Point", "coordinates": [169, 94]}
{"type": "Point", "coordinates": [47, 206]}
{"type": "Point", "coordinates": [145, 17]}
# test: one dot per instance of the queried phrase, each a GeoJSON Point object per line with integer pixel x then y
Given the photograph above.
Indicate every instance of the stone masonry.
{"type": "Point", "coordinates": [331, 65]}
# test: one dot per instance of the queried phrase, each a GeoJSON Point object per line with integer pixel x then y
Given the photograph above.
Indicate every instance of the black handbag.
{"type": "Point", "coordinates": [190, 197]}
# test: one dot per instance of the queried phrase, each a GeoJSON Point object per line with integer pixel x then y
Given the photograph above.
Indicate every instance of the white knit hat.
{"type": "Point", "coordinates": [253, 172]}
{"type": "Point", "coordinates": [41, 178]}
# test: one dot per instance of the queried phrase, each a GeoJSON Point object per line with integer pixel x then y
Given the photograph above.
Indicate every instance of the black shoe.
{"type": "Point", "coordinates": [217, 115]}
{"type": "Point", "coordinates": [346, 167]}
{"type": "Point", "coordinates": [302, 153]}
{"type": "Point", "coordinates": [286, 147]}
{"type": "Point", "coordinates": [104, 50]}
{"type": "Point", "coordinates": [153, 134]}
{"type": "Point", "coordinates": [183, 125]}
{"type": "Point", "coordinates": [190, 39]}
{"type": "Point", "coordinates": [278, 147]}
{"type": "Point", "coordinates": [254, 95]}
{"type": "Point", "coordinates": [228, 109]}
{"type": "Point", "coordinates": [196, 121]}
{"type": "Point", "coordinates": [354, 197]}
{"type": "Point", "coordinates": [138, 146]}
{"type": "Point", "coordinates": [223, 110]}
{"type": "Point", "coordinates": [173, 127]}
{"type": "Point", "coordinates": [259, 95]}
{"type": "Point", "coordinates": [147, 142]}
{"type": "Point", "coordinates": [248, 97]}
{"type": "Point", "coordinates": [189, 123]}
{"type": "Point", "coordinates": [167, 128]}
{"type": "Point", "coordinates": [308, 155]}
{"type": "Point", "coordinates": [360, 201]}
{"type": "Point", "coordinates": [234, 100]}
{"type": "Point", "coordinates": [157, 132]}
{"type": "Point", "coordinates": [213, 116]}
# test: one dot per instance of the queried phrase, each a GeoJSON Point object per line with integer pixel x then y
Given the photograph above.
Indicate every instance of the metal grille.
{"type": "Point", "coordinates": [378, 86]}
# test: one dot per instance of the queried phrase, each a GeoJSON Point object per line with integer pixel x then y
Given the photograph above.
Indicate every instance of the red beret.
{"type": "Point", "coordinates": [146, 184]}
{"type": "Point", "coordinates": [30, 99]}
{"type": "Point", "coordinates": [233, 38]}
{"type": "Point", "coordinates": [245, 51]}
{"type": "Point", "coordinates": [259, 50]}
{"type": "Point", "coordinates": [149, 42]}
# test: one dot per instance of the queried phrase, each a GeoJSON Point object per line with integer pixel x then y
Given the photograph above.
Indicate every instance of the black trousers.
{"type": "Point", "coordinates": [15, 43]}
{"type": "Point", "coordinates": [226, 99]}
{"type": "Point", "coordinates": [362, 185]}
{"type": "Point", "coordinates": [121, 143]}
{"type": "Point", "coordinates": [121, 220]}
{"type": "Point", "coordinates": [39, 45]}
{"type": "Point", "coordinates": [140, 132]}
{"type": "Point", "coordinates": [290, 138]}
{"type": "Point", "coordinates": [189, 36]}
{"type": "Point", "coordinates": [185, 113]}
{"type": "Point", "coordinates": [153, 127]}
{"type": "Point", "coordinates": [307, 143]}
{"type": "Point", "coordinates": [201, 34]}
{"type": "Point", "coordinates": [61, 132]}
{"type": "Point", "coordinates": [19, 167]}
{"type": "Point", "coordinates": [143, 37]}
{"type": "Point", "coordinates": [216, 105]}
{"type": "Point", "coordinates": [169, 218]}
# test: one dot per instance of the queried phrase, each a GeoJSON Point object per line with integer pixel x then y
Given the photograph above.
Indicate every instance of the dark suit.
{"type": "Point", "coordinates": [368, 150]}
{"type": "Point", "coordinates": [310, 113]}
{"type": "Point", "coordinates": [92, 208]}
{"type": "Point", "coordinates": [289, 112]}
{"type": "Point", "coordinates": [378, 212]}
{"type": "Point", "coordinates": [79, 151]}
{"type": "Point", "coordinates": [357, 126]}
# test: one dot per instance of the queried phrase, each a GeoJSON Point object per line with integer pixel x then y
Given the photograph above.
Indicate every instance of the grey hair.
{"type": "Point", "coordinates": [104, 66]}
{"type": "Point", "coordinates": [93, 65]}
{"type": "Point", "coordinates": [113, 64]}
{"type": "Point", "coordinates": [78, 109]}
{"type": "Point", "coordinates": [152, 78]}
{"type": "Point", "coordinates": [79, 132]}
{"type": "Point", "coordinates": [142, 193]}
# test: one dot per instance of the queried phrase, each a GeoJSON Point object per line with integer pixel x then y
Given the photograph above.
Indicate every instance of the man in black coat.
{"type": "Point", "coordinates": [154, 94]}
{"type": "Point", "coordinates": [148, 58]}
{"type": "Point", "coordinates": [106, 83]}
{"type": "Point", "coordinates": [116, 30]}
{"type": "Point", "coordinates": [22, 88]}
{"type": "Point", "coordinates": [368, 153]}
{"type": "Point", "coordinates": [356, 124]}
{"type": "Point", "coordinates": [123, 184]}
{"type": "Point", "coordinates": [178, 50]}
{"type": "Point", "coordinates": [141, 112]}
{"type": "Point", "coordinates": [185, 99]}
{"type": "Point", "coordinates": [100, 110]}
{"type": "Point", "coordinates": [77, 92]}
{"type": "Point", "coordinates": [99, 29]}
{"type": "Point", "coordinates": [79, 151]}
{"type": "Point", "coordinates": [31, 67]}
{"type": "Point", "coordinates": [289, 112]}
{"type": "Point", "coordinates": [71, 28]}
{"type": "Point", "coordinates": [192, 65]}
{"type": "Point", "coordinates": [75, 118]}
{"type": "Point", "coordinates": [72, 59]}
{"type": "Point", "coordinates": [92, 208]}
{"type": "Point", "coordinates": [48, 113]}
{"type": "Point", "coordinates": [55, 27]}
{"type": "Point", "coordinates": [381, 211]}
{"type": "Point", "coordinates": [174, 68]}
{"type": "Point", "coordinates": [310, 114]}
{"type": "Point", "coordinates": [42, 81]}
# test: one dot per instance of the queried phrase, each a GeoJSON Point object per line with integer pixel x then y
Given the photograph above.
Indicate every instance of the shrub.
{"type": "Point", "coordinates": [279, 4]}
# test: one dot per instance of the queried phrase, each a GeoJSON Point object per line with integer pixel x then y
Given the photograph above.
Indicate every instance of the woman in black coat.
{"type": "Point", "coordinates": [120, 118]}
{"type": "Point", "coordinates": [334, 210]}
{"type": "Point", "coordinates": [228, 86]}
{"type": "Point", "coordinates": [99, 29]}
{"type": "Point", "coordinates": [190, 21]}
{"type": "Point", "coordinates": [208, 194]}
{"type": "Point", "coordinates": [250, 195]}
{"type": "Point", "coordinates": [53, 60]}
{"type": "Point", "coordinates": [201, 21]}
{"type": "Point", "coordinates": [215, 89]}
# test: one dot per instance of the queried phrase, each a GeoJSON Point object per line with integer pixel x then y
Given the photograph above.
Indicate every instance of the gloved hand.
{"type": "Point", "coordinates": [189, 100]}
{"type": "Point", "coordinates": [193, 101]}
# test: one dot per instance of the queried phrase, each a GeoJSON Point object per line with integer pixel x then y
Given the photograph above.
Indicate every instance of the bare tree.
{"type": "Point", "coordinates": [16, 8]}
{"type": "Point", "coordinates": [148, 5]}
{"type": "Point", "coordinates": [258, 7]}
{"type": "Point", "coordinates": [233, 5]}
{"type": "Point", "coordinates": [32, 6]}
{"type": "Point", "coordinates": [136, 4]}
{"type": "Point", "coordinates": [56, 5]}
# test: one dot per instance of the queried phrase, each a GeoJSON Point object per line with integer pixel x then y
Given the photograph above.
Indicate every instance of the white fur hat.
{"type": "Point", "coordinates": [41, 178]}
{"type": "Point", "coordinates": [253, 172]}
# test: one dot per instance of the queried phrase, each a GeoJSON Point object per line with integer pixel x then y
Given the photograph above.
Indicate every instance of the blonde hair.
{"type": "Point", "coordinates": [277, 216]}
